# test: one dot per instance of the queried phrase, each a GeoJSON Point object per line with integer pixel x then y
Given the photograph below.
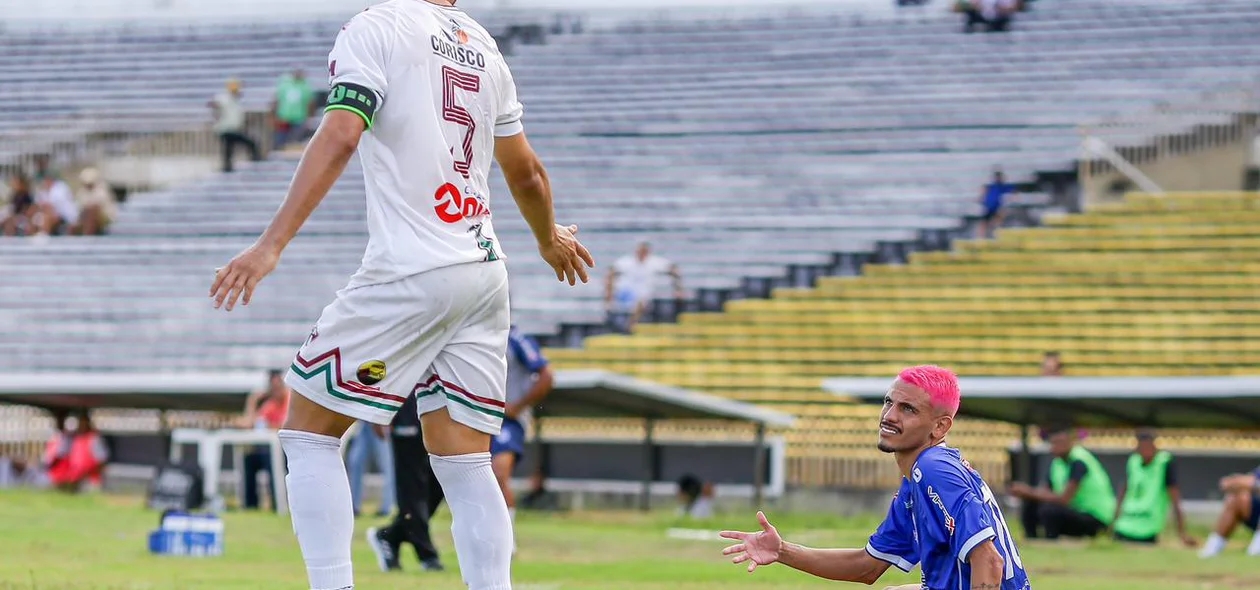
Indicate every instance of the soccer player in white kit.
{"type": "Point", "coordinates": [421, 90]}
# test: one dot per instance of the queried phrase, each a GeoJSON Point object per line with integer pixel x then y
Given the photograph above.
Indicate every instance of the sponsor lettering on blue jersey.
{"type": "Point", "coordinates": [938, 517]}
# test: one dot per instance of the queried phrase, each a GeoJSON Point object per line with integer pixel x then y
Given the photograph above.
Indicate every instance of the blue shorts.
{"type": "Point", "coordinates": [1254, 520]}
{"type": "Point", "coordinates": [511, 439]}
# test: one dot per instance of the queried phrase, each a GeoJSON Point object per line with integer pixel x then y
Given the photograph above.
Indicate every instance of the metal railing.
{"type": "Point", "coordinates": [1129, 145]}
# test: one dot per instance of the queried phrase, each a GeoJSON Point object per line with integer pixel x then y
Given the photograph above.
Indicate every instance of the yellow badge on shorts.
{"type": "Point", "coordinates": [371, 372]}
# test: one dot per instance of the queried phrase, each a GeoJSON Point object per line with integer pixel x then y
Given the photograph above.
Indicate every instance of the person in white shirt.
{"type": "Point", "coordinates": [17, 472]}
{"type": "Point", "coordinates": [54, 202]}
{"type": "Point", "coordinates": [229, 123]}
{"type": "Point", "coordinates": [422, 92]}
{"type": "Point", "coordinates": [97, 206]}
{"type": "Point", "coordinates": [631, 286]}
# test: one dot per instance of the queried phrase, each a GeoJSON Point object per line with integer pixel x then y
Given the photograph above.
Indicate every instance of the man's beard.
{"type": "Point", "coordinates": [885, 447]}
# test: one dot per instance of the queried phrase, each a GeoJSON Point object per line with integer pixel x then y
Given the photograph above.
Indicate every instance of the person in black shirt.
{"type": "Point", "coordinates": [22, 203]}
{"type": "Point", "coordinates": [418, 494]}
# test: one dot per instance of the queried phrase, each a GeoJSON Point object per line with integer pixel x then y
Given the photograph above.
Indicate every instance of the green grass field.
{"type": "Point", "coordinates": [51, 542]}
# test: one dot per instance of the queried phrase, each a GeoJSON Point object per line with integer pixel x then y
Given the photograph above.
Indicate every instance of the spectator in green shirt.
{"type": "Point", "coordinates": [291, 108]}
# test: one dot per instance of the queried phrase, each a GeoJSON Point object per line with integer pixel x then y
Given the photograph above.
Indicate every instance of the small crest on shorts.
{"type": "Point", "coordinates": [371, 372]}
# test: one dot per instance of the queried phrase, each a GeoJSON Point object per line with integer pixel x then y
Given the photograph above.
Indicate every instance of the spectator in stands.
{"type": "Point", "coordinates": [1150, 489]}
{"type": "Point", "coordinates": [371, 442]}
{"type": "Point", "coordinates": [1051, 365]}
{"type": "Point", "coordinates": [264, 410]}
{"type": "Point", "coordinates": [1242, 506]}
{"type": "Point", "coordinates": [76, 455]}
{"type": "Point", "coordinates": [995, 15]}
{"type": "Point", "coordinates": [96, 202]}
{"type": "Point", "coordinates": [229, 123]}
{"type": "Point", "coordinates": [55, 209]}
{"type": "Point", "coordinates": [291, 108]}
{"type": "Point", "coordinates": [1079, 501]}
{"type": "Point", "coordinates": [993, 197]}
{"type": "Point", "coordinates": [16, 472]}
{"type": "Point", "coordinates": [22, 206]}
{"type": "Point", "coordinates": [631, 286]}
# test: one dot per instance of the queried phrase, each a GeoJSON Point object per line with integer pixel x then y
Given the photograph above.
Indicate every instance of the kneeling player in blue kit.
{"type": "Point", "coordinates": [944, 517]}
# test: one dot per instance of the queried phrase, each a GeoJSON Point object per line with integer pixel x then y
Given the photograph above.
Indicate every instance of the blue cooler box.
{"type": "Point", "coordinates": [190, 535]}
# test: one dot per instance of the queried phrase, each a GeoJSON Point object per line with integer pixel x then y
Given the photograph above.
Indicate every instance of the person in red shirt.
{"type": "Point", "coordinates": [264, 409]}
{"type": "Point", "coordinates": [75, 457]}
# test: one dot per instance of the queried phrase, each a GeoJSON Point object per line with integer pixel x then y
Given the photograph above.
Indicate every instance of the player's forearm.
{"type": "Point", "coordinates": [542, 386]}
{"type": "Point", "coordinates": [987, 567]}
{"type": "Point", "coordinates": [322, 164]}
{"type": "Point", "coordinates": [843, 565]}
{"type": "Point", "coordinates": [533, 197]}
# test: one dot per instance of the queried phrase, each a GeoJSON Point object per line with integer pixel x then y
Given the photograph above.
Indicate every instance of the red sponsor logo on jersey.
{"type": "Point", "coordinates": [452, 206]}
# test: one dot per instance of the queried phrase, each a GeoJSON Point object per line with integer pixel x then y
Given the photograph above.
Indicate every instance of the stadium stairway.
{"type": "Point", "coordinates": [1152, 286]}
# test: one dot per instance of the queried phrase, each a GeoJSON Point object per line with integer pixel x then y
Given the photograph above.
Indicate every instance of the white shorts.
{"type": "Point", "coordinates": [441, 335]}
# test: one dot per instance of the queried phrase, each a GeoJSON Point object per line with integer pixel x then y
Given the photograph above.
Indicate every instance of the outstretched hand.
{"type": "Point", "coordinates": [760, 548]}
{"type": "Point", "coordinates": [242, 274]}
{"type": "Point", "coordinates": [567, 256]}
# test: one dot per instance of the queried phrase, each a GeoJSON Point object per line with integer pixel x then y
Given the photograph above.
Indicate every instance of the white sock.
{"type": "Point", "coordinates": [1213, 546]}
{"type": "Point", "coordinates": [480, 523]}
{"type": "Point", "coordinates": [1253, 549]}
{"type": "Point", "coordinates": [319, 502]}
{"type": "Point", "coordinates": [512, 517]}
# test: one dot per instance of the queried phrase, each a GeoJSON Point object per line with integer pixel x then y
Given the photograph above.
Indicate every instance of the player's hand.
{"type": "Point", "coordinates": [760, 548]}
{"type": "Point", "coordinates": [567, 256]}
{"type": "Point", "coordinates": [242, 274]}
{"type": "Point", "coordinates": [381, 431]}
{"type": "Point", "coordinates": [1020, 489]}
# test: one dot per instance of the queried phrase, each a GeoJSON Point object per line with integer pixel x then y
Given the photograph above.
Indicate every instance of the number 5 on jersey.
{"type": "Point", "coordinates": [453, 79]}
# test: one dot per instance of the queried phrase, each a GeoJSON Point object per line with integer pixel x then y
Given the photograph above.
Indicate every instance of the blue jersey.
{"type": "Point", "coordinates": [525, 360]}
{"type": "Point", "coordinates": [938, 518]}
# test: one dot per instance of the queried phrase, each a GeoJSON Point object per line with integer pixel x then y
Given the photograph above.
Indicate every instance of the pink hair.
{"type": "Point", "coordinates": [939, 383]}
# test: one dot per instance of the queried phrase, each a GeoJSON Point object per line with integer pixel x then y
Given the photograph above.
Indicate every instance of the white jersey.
{"type": "Point", "coordinates": [443, 93]}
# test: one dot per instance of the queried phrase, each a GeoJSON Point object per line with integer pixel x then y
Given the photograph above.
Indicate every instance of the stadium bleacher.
{"type": "Point", "coordinates": [809, 136]}
{"type": "Point", "coordinates": [1155, 286]}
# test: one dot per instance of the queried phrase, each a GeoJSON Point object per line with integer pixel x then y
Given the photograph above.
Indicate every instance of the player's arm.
{"type": "Point", "coordinates": [529, 354]}
{"type": "Point", "coordinates": [1120, 493]}
{"type": "Point", "coordinates": [676, 274]}
{"type": "Point", "coordinates": [323, 162]}
{"type": "Point", "coordinates": [1174, 496]}
{"type": "Point", "coordinates": [609, 284]}
{"type": "Point", "coordinates": [357, 79]}
{"type": "Point", "coordinates": [1241, 482]}
{"type": "Point", "coordinates": [531, 188]}
{"type": "Point", "coordinates": [766, 547]}
{"type": "Point", "coordinates": [251, 409]}
{"type": "Point", "coordinates": [544, 380]}
{"type": "Point", "coordinates": [987, 567]}
{"type": "Point", "coordinates": [527, 179]}
{"type": "Point", "coordinates": [325, 159]}
{"type": "Point", "coordinates": [842, 565]}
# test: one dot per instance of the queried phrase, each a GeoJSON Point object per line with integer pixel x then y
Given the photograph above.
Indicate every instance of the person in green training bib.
{"type": "Point", "coordinates": [291, 107]}
{"type": "Point", "coordinates": [1080, 501]}
{"type": "Point", "coordinates": [1150, 489]}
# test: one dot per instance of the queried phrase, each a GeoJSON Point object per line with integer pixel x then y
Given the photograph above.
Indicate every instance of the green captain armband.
{"type": "Point", "coordinates": [354, 98]}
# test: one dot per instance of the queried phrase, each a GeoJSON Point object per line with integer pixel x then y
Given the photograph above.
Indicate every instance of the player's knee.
{"type": "Point", "coordinates": [445, 437]}
{"type": "Point", "coordinates": [1240, 504]}
{"type": "Point", "coordinates": [307, 416]}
